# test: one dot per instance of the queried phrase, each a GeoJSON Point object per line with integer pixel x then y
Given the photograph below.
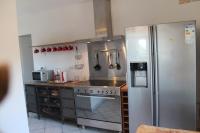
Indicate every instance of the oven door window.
{"type": "Point", "coordinates": [106, 109]}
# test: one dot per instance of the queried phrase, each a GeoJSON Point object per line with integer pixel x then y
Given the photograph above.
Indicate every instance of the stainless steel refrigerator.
{"type": "Point", "coordinates": [161, 75]}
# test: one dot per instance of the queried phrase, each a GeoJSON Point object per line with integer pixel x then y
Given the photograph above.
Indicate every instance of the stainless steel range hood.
{"type": "Point", "coordinates": [102, 18]}
{"type": "Point", "coordinates": [103, 22]}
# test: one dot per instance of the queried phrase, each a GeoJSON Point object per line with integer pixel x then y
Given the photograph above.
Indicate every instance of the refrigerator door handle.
{"type": "Point", "coordinates": [156, 78]}
{"type": "Point", "coordinates": [151, 77]}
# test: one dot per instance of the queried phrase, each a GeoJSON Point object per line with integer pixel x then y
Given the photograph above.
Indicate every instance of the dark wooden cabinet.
{"type": "Point", "coordinates": [49, 102]}
{"type": "Point", "coordinates": [68, 103]}
{"type": "Point", "coordinates": [31, 100]}
{"type": "Point", "coordinates": [55, 102]}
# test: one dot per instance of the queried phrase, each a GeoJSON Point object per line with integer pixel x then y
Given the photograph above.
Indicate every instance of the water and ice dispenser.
{"type": "Point", "coordinates": [139, 74]}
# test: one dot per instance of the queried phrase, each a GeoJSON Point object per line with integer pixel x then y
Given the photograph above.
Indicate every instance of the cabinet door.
{"type": "Point", "coordinates": [31, 99]}
{"type": "Point", "coordinates": [68, 103]}
{"type": "Point", "coordinates": [69, 113]}
{"type": "Point", "coordinates": [32, 108]}
{"type": "Point", "coordinates": [67, 93]}
{"type": "Point", "coordinates": [30, 90]}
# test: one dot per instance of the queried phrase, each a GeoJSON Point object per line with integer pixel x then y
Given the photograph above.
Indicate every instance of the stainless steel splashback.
{"type": "Point", "coordinates": [106, 50]}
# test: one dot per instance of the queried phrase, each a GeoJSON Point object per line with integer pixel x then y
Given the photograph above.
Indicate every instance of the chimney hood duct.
{"type": "Point", "coordinates": [102, 18]}
{"type": "Point", "coordinates": [103, 23]}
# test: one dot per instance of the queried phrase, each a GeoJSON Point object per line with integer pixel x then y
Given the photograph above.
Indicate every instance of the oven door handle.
{"type": "Point", "coordinates": [110, 98]}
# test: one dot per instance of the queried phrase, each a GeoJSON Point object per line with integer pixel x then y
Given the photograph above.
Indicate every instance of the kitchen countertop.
{"type": "Point", "coordinates": [124, 88]}
{"type": "Point", "coordinates": [52, 84]}
{"type": "Point", "coordinates": [76, 84]}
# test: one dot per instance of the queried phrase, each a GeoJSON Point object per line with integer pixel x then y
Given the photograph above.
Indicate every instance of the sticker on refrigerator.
{"type": "Point", "coordinates": [189, 34]}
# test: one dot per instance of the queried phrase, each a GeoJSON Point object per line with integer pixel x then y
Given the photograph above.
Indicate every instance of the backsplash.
{"type": "Point", "coordinates": [109, 54]}
{"type": "Point", "coordinates": [64, 60]}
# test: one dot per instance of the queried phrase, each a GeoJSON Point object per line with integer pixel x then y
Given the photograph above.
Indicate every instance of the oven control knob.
{"type": "Point", "coordinates": [111, 92]}
{"type": "Point", "coordinates": [98, 91]}
{"type": "Point", "coordinates": [102, 92]}
{"type": "Point", "coordinates": [107, 92]}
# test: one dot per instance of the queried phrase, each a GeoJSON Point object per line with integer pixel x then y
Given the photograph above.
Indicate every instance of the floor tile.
{"type": "Point", "coordinates": [53, 130]}
{"type": "Point", "coordinates": [95, 130]}
{"type": "Point", "coordinates": [69, 127]}
{"type": "Point", "coordinates": [47, 125]}
{"type": "Point", "coordinates": [35, 124]}
{"type": "Point", "coordinates": [52, 123]}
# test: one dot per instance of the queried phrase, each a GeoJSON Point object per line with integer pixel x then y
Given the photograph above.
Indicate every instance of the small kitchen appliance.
{"type": "Point", "coordinates": [42, 75]}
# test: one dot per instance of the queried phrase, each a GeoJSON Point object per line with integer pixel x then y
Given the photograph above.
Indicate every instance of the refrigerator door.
{"type": "Point", "coordinates": [176, 75]}
{"type": "Point", "coordinates": [139, 72]}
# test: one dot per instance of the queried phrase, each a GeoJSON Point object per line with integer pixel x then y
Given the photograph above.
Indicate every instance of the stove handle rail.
{"type": "Point", "coordinates": [102, 97]}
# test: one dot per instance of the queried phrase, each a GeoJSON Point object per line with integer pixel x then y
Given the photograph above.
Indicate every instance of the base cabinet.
{"type": "Point", "coordinates": [68, 103]}
{"type": "Point", "coordinates": [31, 100]}
{"type": "Point", "coordinates": [55, 102]}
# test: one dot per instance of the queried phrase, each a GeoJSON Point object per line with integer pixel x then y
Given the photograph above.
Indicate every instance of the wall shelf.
{"type": "Point", "coordinates": [54, 44]}
{"type": "Point", "coordinates": [84, 41]}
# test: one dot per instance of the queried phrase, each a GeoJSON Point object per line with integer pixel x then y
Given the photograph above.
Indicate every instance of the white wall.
{"type": "Point", "coordinates": [13, 116]}
{"type": "Point", "coordinates": [52, 21]}
{"type": "Point", "coordinates": [141, 12]}
{"type": "Point", "coordinates": [65, 60]}
{"type": "Point", "coordinates": [63, 20]}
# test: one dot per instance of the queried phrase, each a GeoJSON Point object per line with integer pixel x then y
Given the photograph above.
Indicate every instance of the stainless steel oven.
{"type": "Point", "coordinates": [98, 107]}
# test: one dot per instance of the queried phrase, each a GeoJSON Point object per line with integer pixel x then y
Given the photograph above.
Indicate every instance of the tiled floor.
{"type": "Point", "coordinates": [46, 125]}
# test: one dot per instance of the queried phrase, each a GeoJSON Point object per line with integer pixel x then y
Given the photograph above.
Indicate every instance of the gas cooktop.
{"type": "Point", "coordinates": [107, 83]}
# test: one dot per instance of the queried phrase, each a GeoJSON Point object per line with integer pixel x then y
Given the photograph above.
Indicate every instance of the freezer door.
{"type": "Point", "coordinates": [139, 76]}
{"type": "Point", "coordinates": [176, 75]}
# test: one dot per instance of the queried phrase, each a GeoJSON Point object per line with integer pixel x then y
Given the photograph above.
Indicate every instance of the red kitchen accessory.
{"type": "Point", "coordinates": [55, 49]}
{"type": "Point", "coordinates": [65, 48]}
{"type": "Point", "coordinates": [49, 49]}
{"type": "Point", "coordinates": [71, 47]}
{"type": "Point", "coordinates": [36, 51]}
{"type": "Point", "coordinates": [43, 50]}
{"type": "Point", "coordinates": [60, 48]}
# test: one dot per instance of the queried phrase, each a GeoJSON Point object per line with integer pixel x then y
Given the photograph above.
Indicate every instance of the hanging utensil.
{"type": "Point", "coordinates": [110, 59]}
{"type": "Point", "coordinates": [78, 64]}
{"type": "Point", "coordinates": [77, 55]}
{"type": "Point", "coordinates": [118, 66]}
{"type": "Point", "coordinates": [97, 67]}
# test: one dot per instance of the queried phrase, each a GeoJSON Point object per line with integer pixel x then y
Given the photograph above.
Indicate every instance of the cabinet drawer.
{"type": "Point", "coordinates": [69, 113]}
{"type": "Point", "coordinates": [67, 93]}
{"type": "Point", "coordinates": [68, 103]}
{"type": "Point", "coordinates": [32, 107]}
